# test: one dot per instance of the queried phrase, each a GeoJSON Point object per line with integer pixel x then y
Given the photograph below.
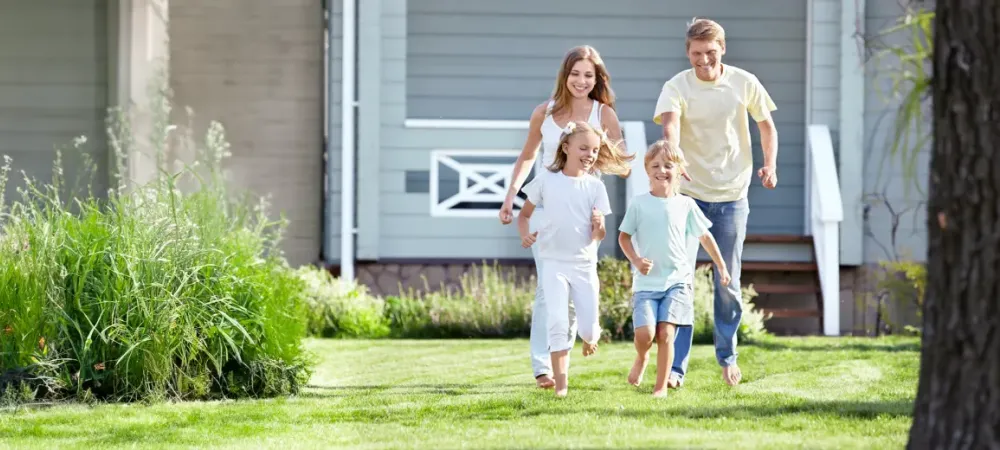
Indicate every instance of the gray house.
{"type": "Point", "coordinates": [385, 129]}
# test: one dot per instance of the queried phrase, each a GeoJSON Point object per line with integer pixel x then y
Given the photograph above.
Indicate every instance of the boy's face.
{"type": "Point", "coordinates": [661, 173]}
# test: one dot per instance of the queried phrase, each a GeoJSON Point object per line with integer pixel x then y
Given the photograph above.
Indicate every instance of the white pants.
{"type": "Point", "coordinates": [541, 359]}
{"type": "Point", "coordinates": [562, 281]}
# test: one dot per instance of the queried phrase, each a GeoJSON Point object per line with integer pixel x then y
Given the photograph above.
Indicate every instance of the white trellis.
{"type": "Point", "coordinates": [490, 181]}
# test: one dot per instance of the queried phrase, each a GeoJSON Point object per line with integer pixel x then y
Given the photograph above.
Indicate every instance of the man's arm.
{"type": "Point", "coordinates": [769, 144]}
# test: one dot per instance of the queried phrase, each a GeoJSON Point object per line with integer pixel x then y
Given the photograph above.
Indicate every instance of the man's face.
{"type": "Point", "coordinates": [706, 58]}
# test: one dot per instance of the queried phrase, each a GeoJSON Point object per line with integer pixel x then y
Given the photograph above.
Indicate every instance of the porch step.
{"type": "Point", "coordinates": [791, 313]}
{"type": "Point", "coordinates": [778, 239]}
{"type": "Point", "coordinates": [771, 266]}
{"type": "Point", "coordinates": [788, 289]}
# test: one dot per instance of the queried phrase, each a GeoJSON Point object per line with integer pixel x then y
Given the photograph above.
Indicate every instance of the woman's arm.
{"type": "Point", "coordinates": [524, 162]}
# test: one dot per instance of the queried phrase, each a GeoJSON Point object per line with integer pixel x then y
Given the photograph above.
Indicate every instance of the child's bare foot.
{"type": "Point", "coordinates": [660, 393]}
{"type": "Point", "coordinates": [638, 369]}
{"type": "Point", "coordinates": [589, 349]}
{"type": "Point", "coordinates": [732, 375]}
{"type": "Point", "coordinates": [674, 382]}
{"type": "Point", "coordinates": [561, 385]}
{"type": "Point", "coordinates": [545, 382]}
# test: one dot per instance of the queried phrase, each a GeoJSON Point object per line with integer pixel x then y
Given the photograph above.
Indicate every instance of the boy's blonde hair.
{"type": "Point", "coordinates": [611, 156]}
{"type": "Point", "coordinates": [664, 149]}
{"type": "Point", "coordinates": [705, 30]}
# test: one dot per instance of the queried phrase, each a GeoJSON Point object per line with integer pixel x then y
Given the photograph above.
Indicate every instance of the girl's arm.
{"type": "Point", "coordinates": [708, 242]}
{"type": "Point", "coordinates": [524, 162]}
{"type": "Point", "coordinates": [597, 229]}
{"type": "Point", "coordinates": [527, 238]}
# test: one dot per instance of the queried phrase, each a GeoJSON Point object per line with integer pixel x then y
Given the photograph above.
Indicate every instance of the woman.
{"type": "Point", "coordinates": [582, 93]}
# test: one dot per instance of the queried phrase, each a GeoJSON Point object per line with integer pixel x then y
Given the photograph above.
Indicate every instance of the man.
{"type": "Point", "coordinates": [704, 110]}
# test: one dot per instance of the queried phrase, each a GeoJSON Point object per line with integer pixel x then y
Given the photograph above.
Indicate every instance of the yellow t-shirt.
{"type": "Point", "coordinates": [715, 129]}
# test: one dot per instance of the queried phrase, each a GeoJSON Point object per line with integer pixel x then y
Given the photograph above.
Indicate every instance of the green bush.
{"type": "Point", "coordinates": [490, 303]}
{"type": "Point", "coordinates": [341, 309]}
{"type": "Point", "coordinates": [148, 292]}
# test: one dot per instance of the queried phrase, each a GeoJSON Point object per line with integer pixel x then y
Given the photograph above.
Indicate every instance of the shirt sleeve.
{"type": "Point", "coordinates": [601, 202]}
{"type": "Point", "coordinates": [534, 189]}
{"type": "Point", "coordinates": [670, 100]}
{"type": "Point", "coordinates": [759, 102]}
{"type": "Point", "coordinates": [630, 223]}
{"type": "Point", "coordinates": [697, 223]}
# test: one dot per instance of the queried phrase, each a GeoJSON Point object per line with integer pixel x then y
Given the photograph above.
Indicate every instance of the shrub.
{"type": "Point", "coordinates": [341, 309]}
{"type": "Point", "coordinates": [149, 292]}
{"type": "Point", "coordinates": [488, 303]}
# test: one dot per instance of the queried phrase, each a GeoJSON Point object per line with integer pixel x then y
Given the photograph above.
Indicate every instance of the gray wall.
{"type": "Point", "coordinates": [450, 59]}
{"type": "Point", "coordinates": [257, 67]}
{"type": "Point", "coordinates": [53, 86]}
{"type": "Point", "coordinates": [892, 195]}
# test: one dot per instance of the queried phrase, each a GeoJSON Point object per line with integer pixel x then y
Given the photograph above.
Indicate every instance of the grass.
{"type": "Point", "coordinates": [812, 392]}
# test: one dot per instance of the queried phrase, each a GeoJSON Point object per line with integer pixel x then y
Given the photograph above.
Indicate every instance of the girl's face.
{"type": "Point", "coordinates": [581, 79]}
{"type": "Point", "coordinates": [661, 173]}
{"type": "Point", "coordinates": [581, 150]}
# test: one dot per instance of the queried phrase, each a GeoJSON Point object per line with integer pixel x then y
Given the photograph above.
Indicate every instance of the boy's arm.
{"type": "Point", "coordinates": [708, 242]}
{"type": "Point", "coordinates": [625, 242]}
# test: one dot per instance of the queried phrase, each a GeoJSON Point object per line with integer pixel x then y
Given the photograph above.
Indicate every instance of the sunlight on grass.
{"type": "Point", "coordinates": [815, 392]}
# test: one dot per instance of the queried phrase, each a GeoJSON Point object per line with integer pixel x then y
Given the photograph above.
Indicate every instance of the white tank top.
{"type": "Point", "coordinates": [551, 133]}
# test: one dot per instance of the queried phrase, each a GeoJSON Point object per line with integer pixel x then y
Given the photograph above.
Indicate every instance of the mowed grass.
{"type": "Point", "coordinates": [803, 393]}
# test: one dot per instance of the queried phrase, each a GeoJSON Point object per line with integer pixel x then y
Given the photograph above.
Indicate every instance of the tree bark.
{"type": "Point", "coordinates": [958, 396]}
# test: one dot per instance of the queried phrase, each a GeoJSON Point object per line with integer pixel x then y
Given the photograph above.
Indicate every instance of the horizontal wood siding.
{"type": "Point", "coordinates": [891, 194]}
{"type": "Point", "coordinates": [53, 88]}
{"type": "Point", "coordinates": [451, 59]}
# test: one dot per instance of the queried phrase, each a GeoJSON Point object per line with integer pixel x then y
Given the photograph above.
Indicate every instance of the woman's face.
{"type": "Point", "coordinates": [582, 78]}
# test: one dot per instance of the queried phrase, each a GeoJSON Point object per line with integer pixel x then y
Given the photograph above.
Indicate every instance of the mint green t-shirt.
{"type": "Point", "coordinates": [662, 229]}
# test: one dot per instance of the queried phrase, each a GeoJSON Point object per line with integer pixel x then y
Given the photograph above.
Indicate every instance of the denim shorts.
{"type": "Point", "coordinates": [674, 305]}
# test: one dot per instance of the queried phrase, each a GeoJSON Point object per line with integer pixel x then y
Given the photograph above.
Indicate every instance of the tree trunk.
{"type": "Point", "coordinates": [958, 397]}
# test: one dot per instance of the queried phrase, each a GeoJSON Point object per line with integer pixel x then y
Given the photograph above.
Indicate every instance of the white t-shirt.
{"type": "Point", "coordinates": [564, 232]}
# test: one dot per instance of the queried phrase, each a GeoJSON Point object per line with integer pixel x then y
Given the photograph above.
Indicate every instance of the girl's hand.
{"type": "Point", "coordinates": [529, 239]}
{"type": "Point", "coordinates": [596, 218]}
{"type": "Point", "coordinates": [724, 278]}
{"type": "Point", "coordinates": [507, 212]}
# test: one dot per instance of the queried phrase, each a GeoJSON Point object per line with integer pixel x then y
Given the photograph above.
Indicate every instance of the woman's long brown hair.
{"type": "Point", "coordinates": [602, 80]}
{"type": "Point", "coordinates": [611, 156]}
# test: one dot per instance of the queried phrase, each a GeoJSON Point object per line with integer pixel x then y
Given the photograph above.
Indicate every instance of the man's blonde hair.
{"type": "Point", "coordinates": [705, 30]}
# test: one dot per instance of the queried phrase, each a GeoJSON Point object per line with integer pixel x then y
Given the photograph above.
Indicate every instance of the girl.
{"type": "Point", "coordinates": [568, 236]}
{"type": "Point", "coordinates": [662, 222]}
{"type": "Point", "coordinates": [582, 93]}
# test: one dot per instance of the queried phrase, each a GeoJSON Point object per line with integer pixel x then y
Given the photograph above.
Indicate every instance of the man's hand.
{"type": "Point", "coordinates": [768, 176]}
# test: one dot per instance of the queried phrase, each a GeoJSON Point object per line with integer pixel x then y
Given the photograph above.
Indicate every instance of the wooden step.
{"type": "Point", "coordinates": [778, 239]}
{"type": "Point", "coordinates": [786, 289]}
{"type": "Point", "coordinates": [790, 313]}
{"type": "Point", "coordinates": [772, 266]}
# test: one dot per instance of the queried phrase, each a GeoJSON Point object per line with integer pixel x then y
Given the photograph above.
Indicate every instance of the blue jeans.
{"type": "Point", "coordinates": [729, 228]}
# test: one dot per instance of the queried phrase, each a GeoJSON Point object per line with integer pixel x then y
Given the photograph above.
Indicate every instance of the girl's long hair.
{"type": "Point", "coordinates": [602, 80]}
{"type": "Point", "coordinates": [611, 156]}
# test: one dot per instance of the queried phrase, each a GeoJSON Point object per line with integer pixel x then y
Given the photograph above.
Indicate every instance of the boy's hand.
{"type": "Point", "coordinates": [724, 278]}
{"type": "Point", "coordinates": [644, 266]}
{"type": "Point", "coordinates": [596, 218]}
{"type": "Point", "coordinates": [529, 239]}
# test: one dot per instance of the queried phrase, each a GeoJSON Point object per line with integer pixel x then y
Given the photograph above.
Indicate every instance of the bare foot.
{"type": "Point", "coordinates": [638, 370]}
{"type": "Point", "coordinates": [674, 381]}
{"type": "Point", "coordinates": [589, 349]}
{"type": "Point", "coordinates": [660, 393]}
{"type": "Point", "coordinates": [545, 382]}
{"type": "Point", "coordinates": [561, 385]}
{"type": "Point", "coordinates": [732, 375]}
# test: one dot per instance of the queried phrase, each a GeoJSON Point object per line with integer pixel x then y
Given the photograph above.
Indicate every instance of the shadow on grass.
{"type": "Point", "coordinates": [814, 346]}
{"type": "Point", "coordinates": [841, 409]}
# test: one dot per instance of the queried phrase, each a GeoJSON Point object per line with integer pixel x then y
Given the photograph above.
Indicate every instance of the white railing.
{"type": "Point", "coordinates": [825, 211]}
{"type": "Point", "coordinates": [486, 181]}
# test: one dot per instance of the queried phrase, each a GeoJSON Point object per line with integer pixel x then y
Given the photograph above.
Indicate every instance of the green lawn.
{"type": "Point", "coordinates": [815, 393]}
